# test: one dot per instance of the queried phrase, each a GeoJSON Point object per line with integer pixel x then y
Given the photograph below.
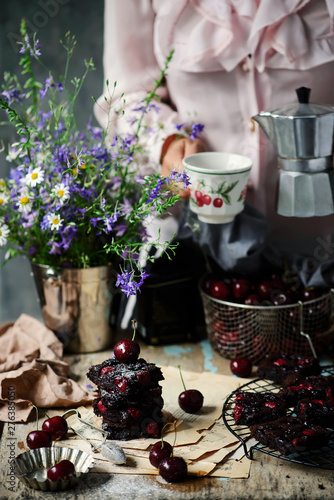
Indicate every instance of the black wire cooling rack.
{"type": "Point", "coordinates": [322, 457]}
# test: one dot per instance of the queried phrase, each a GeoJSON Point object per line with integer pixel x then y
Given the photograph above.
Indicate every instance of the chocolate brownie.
{"type": "Point", "coordinates": [313, 387]}
{"type": "Point", "coordinates": [130, 399]}
{"type": "Point", "coordinates": [277, 367]}
{"type": "Point", "coordinates": [252, 408]}
{"type": "Point", "coordinates": [125, 377]}
{"type": "Point", "coordinates": [315, 411]}
{"type": "Point", "coordinates": [288, 435]}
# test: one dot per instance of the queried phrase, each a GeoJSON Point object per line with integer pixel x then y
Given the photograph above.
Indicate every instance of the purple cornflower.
{"type": "Point", "coordinates": [179, 126]}
{"type": "Point", "coordinates": [197, 129]}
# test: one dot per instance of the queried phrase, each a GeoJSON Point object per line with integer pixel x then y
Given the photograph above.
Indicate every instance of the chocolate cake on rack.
{"type": "Point", "coordinates": [278, 367]}
{"type": "Point", "coordinates": [289, 435]}
{"type": "Point", "coordinates": [130, 400]}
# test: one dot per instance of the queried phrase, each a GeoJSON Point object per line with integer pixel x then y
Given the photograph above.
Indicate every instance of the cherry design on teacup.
{"type": "Point", "coordinates": [205, 195]}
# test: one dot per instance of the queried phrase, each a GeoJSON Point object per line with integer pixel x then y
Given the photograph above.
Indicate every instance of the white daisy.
{"type": "Point", "coordinates": [55, 221]}
{"type": "Point", "coordinates": [35, 177]}
{"type": "Point", "coordinates": [2, 184]}
{"type": "Point", "coordinates": [3, 198]}
{"type": "Point", "coordinates": [62, 192]}
{"type": "Point", "coordinates": [24, 203]}
{"type": "Point", "coordinates": [4, 232]}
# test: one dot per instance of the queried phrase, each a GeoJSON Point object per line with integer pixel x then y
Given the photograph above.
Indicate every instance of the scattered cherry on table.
{"type": "Point", "coordinates": [173, 469]}
{"type": "Point", "coordinates": [160, 450]}
{"type": "Point", "coordinates": [39, 439]}
{"type": "Point", "coordinates": [242, 367]}
{"type": "Point", "coordinates": [190, 400]}
{"type": "Point", "coordinates": [56, 426]}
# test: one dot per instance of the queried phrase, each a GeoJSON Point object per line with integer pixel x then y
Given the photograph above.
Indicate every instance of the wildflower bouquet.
{"type": "Point", "coordinates": [72, 199]}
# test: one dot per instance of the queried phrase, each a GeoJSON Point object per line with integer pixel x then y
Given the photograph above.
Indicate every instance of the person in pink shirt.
{"type": "Point", "coordinates": [232, 59]}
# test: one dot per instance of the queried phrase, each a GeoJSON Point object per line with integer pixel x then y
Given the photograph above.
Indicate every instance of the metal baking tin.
{"type": "Point", "coordinates": [31, 467]}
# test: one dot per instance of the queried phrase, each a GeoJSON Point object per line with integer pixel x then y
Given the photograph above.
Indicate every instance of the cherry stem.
{"type": "Point", "coordinates": [37, 410]}
{"type": "Point", "coordinates": [179, 367]}
{"type": "Point", "coordinates": [134, 328]}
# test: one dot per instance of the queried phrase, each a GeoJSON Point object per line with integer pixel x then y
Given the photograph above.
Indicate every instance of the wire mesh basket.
{"type": "Point", "coordinates": [237, 330]}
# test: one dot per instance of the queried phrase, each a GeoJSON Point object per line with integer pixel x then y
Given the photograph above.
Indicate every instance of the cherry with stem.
{"type": "Point", "coordinates": [190, 400]}
{"type": "Point", "coordinates": [127, 350]}
{"type": "Point", "coordinates": [38, 439]}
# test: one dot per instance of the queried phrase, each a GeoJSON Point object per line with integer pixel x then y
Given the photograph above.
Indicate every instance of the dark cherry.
{"type": "Point", "coordinates": [134, 412]}
{"type": "Point", "coordinates": [159, 451]}
{"type": "Point", "coordinates": [144, 378]}
{"type": "Point", "coordinates": [62, 470]}
{"type": "Point", "coordinates": [127, 350]}
{"type": "Point", "coordinates": [39, 439]}
{"type": "Point", "coordinates": [107, 369]}
{"type": "Point", "coordinates": [153, 429]}
{"type": "Point", "coordinates": [56, 426]}
{"type": "Point", "coordinates": [101, 406]}
{"type": "Point", "coordinates": [252, 300]}
{"type": "Point", "coordinates": [121, 383]}
{"type": "Point", "coordinates": [173, 469]}
{"type": "Point", "coordinates": [241, 288]}
{"type": "Point", "coordinates": [241, 367]}
{"type": "Point", "coordinates": [220, 290]}
{"type": "Point", "coordinates": [265, 289]}
{"type": "Point", "coordinates": [281, 298]}
{"type": "Point", "coordinates": [308, 294]}
{"type": "Point", "coordinates": [191, 400]}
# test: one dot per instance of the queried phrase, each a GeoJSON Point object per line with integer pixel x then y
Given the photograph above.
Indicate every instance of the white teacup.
{"type": "Point", "coordinates": [218, 185]}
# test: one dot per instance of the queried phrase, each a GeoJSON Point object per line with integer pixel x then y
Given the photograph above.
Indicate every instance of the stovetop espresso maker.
{"type": "Point", "coordinates": [302, 133]}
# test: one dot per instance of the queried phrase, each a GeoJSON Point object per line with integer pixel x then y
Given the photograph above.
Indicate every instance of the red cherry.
{"type": "Point", "coordinates": [308, 294]}
{"type": "Point", "coordinates": [127, 350]}
{"type": "Point", "coordinates": [62, 470]}
{"type": "Point", "coordinates": [159, 451]}
{"type": "Point", "coordinates": [199, 198]}
{"type": "Point", "coordinates": [218, 202]}
{"type": "Point", "coordinates": [173, 469]}
{"type": "Point", "coordinates": [39, 439]}
{"type": "Point", "coordinates": [191, 400]}
{"type": "Point", "coordinates": [134, 412]}
{"type": "Point", "coordinates": [121, 383]}
{"type": "Point", "coordinates": [265, 289]}
{"type": "Point", "coordinates": [220, 290]}
{"type": "Point", "coordinates": [107, 369]}
{"type": "Point", "coordinates": [252, 300]}
{"type": "Point", "coordinates": [241, 367]}
{"type": "Point", "coordinates": [101, 406]}
{"type": "Point", "coordinates": [56, 426]}
{"type": "Point", "coordinates": [241, 288]}
{"type": "Point", "coordinates": [206, 199]}
{"type": "Point", "coordinates": [144, 378]}
{"type": "Point", "coordinates": [153, 429]}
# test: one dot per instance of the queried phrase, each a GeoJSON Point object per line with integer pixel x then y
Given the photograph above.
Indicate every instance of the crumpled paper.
{"type": "Point", "coordinates": [32, 371]}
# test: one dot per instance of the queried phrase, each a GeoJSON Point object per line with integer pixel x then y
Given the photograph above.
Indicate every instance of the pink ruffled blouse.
{"type": "Point", "coordinates": [233, 58]}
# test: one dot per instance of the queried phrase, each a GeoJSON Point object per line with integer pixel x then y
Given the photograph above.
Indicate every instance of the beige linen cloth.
{"type": "Point", "coordinates": [31, 370]}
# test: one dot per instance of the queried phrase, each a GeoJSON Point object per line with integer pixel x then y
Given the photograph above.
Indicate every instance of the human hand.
{"type": "Point", "coordinates": [178, 149]}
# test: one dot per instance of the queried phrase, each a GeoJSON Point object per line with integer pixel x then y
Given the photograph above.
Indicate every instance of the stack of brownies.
{"type": "Point", "coordinates": [130, 399]}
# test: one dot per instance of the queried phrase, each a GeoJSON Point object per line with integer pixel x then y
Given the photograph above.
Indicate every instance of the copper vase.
{"type": "Point", "coordinates": [76, 305]}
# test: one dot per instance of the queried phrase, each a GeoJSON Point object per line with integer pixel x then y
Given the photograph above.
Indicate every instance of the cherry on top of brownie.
{"type": "Point", "coordinates": [137, 373]}
{"type": "Point", "coordinates": [314, 387]}
{"type": "Point", "coordinates": [289, 435]}
{"type": "Point", "coordinates": [276, 367]}
{"type": "Point", "coordinates": [252, 408]}
{"type": "Point", "coordinates": [315, 411]}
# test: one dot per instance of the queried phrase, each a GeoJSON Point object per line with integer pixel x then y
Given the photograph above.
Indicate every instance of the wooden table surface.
{"type": "Point", "coordinates": [270, 478]}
